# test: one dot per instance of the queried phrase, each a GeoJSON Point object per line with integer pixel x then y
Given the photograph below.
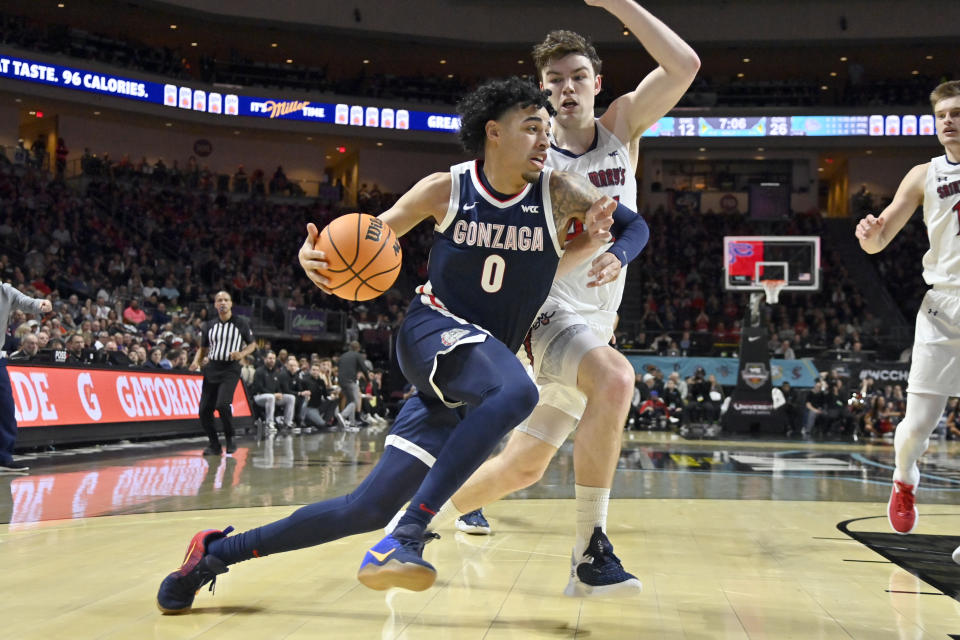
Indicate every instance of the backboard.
{"type": "Point", "coordinates": [748, 260]}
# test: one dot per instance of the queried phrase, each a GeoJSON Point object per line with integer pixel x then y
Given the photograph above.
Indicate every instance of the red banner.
{"type": "Point", "coordinates": [48, 396]}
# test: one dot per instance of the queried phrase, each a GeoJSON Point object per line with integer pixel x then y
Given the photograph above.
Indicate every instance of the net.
{"type": "Point", "coordinates": [772, 289]}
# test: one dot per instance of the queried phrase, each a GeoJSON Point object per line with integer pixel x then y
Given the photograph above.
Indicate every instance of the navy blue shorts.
{"type": "Point", "coordinates": [428, 418]}
{"type": "Point", "coordinates": [427, 333]}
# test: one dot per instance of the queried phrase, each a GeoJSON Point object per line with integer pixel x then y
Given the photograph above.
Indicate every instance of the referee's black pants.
{"type": "Point", "coordinates": [219, 382]}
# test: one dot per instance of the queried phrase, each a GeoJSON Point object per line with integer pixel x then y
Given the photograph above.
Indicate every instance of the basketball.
{"type": "Point", "coordinates": [363, 256]}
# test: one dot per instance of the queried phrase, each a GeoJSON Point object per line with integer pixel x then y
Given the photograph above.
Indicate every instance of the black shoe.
{"type": "Point", "coordinates": [178, 589]}
{"type": "Point", "coordinates": [210, 451]}
{"type": "Point", "coordinates": [231, 446]}
{"type": "Point", "coordinates": [13, 466]}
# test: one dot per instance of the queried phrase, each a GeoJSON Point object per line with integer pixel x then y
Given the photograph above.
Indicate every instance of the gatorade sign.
{"type": "Point", "coordinates": [50, 396]}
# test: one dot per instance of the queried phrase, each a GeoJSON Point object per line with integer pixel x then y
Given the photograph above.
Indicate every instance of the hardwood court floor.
{"type": "Point", "coordinates": [730, 539]}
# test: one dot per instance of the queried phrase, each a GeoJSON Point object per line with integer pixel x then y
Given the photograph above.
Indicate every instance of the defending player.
{"type": "Point", "coordinates": [494, 256]}
{"type": "Point", "coordinates": [581, 377]}
{"type": "Point", "coordinates": [935, 365]}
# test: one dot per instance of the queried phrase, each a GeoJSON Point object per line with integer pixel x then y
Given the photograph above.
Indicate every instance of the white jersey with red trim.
{"type": "Point", "coordinates": [941, 214]}
{"type": "Point", "coordinates": [607, 165]}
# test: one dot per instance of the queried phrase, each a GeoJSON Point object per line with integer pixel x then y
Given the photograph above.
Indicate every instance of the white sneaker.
{"type": "Point", "coordinates": [956, 555]}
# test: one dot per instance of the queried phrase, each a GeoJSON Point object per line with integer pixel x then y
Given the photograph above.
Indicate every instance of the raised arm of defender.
{"type": "Point", "coordinates": [633, 113]}
{"type": "Point", "coordinates": [875, 233]}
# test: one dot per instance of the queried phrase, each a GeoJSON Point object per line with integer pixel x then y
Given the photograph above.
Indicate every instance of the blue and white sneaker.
{"type": "Point", "coordinates": [474, 523]}
{"type": "Point", "coordinates": [599, 573]}
{"type": "Point", "coordinates": [397, 561]}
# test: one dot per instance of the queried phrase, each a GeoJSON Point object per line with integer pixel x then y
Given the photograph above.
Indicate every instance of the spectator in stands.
{"type": "Point", "coordinates": [291, 382]}
{"type": "Point", "coordinates": [28, 349]}
{"type": "Point", "coordinates": [240, 184]}
{"type": "Point", "coordinates": [154, 359]}
{"type": "Point", "coordinates": [953, 419]}
{"type": "Point", "coordinates": [169, 291]}
{"type": "Point", "coordinates": [247, 371]}
{"type": "Point", "coordinates": [62, 151]}
{"type": "Point", "coordinates": [653, 412]}
{"type": "Point", "coordinates": [791, 408]}
{"type": "Point", "coordinates": [133, 314]}
{"type": "Point", "coordinates": [373, 406]}
{"type": "Point", "coordinates": [352, 365]}
{"type": "Point", "coordinates": [77, 354]}
{"type": "Point", "coordinates": [700, 406]}
{"type": "Point", "coordinates": [322, 404]}
{"type": "Point", "coordinates": [785, 351]}
{"type": "Point", "coordinates": [267, 392]}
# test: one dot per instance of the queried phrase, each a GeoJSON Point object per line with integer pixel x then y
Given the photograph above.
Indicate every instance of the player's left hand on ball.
{"type": "Point", "coordinates": [604, 269]}
{"type": "Point", "coordinates": [599, 219]}
{"type": "Point", "coordinates": [313, 261]}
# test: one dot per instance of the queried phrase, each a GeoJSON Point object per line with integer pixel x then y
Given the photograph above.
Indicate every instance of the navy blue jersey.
{"type": "Point", "coordinates": [493, 261]}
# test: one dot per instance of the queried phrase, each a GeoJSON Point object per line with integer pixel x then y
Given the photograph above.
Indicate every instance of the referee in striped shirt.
{"type": "Point", "coordinates": [226, 340]}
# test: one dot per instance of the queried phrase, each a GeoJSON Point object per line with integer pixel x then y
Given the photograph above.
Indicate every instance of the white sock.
{"type": "Point", "coordinates": [591, 513]}
{"type": "Point", "coordinates": [911, 477]}
{"type": "Point", "coordinates": [447, 514]}
{"type": "Point", "coordinates": [913, 434]}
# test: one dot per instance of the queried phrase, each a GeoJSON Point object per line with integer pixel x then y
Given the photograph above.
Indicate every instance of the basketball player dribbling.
{"type": "Point", "coordinates": [584, 383]}
{"type": "Point", "coordinates": [495, 253]}
{"type": "Point", "coordinates": [935, 365]}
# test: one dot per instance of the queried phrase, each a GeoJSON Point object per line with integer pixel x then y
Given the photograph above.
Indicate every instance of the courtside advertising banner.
{"type": "Point", "coordinates": [51, 396]}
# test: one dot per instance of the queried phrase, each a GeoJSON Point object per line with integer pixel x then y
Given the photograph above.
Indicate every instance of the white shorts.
{"type": "Point", "coordinates": [559, 340]}
{"type": "Point", "coordinates": [935, 365]}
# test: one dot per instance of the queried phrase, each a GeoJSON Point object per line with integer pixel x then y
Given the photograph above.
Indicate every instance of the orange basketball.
{"type": "Point", "coordinates": [363, 256]}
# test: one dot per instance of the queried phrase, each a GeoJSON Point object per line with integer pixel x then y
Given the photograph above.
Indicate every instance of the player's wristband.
{"type": "Point", "coordinates": [631, 232]}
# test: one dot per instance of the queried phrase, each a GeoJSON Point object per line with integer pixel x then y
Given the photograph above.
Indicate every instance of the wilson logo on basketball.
{"type": "Point", "coordinates": [374, 230]}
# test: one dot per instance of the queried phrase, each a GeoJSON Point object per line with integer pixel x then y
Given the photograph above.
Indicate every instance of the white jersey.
{"type": "Point", "coordinates": [941, 214]}
{"type": "Point", "coordinates": [607, 165]}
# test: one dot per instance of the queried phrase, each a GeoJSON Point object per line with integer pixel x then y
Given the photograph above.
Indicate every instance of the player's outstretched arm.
{"type": "Point", "coordinates": [875, 233]}
{"type": "Point", "coordinates": [633, 113]}
{"type": "Point", "coordinates": [428, 198]}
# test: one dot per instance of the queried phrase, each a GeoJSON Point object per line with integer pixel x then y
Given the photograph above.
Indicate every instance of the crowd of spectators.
{"type": "Point", "coordinates": [445, 89]}
{"type": "Point", "coordinates": [131, 265]}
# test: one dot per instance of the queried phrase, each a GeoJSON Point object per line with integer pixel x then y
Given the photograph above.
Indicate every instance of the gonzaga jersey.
{"type": "Point", "coordinates": [941, 214]}
{"type": "Point", "coordinates": [607, 165]}
{"type": "Point", "coordinates": [493, 261]}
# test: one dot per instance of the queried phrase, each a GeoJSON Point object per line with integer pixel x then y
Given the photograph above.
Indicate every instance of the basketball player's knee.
{"type": "Point", "coordinates": [525, 474]}
{"type": "Point", "coordinates": [612, 385]}
{"type": "Point", "coordinates": [518, 399]}
{"type": "Point", "coordinates": [223, 409]}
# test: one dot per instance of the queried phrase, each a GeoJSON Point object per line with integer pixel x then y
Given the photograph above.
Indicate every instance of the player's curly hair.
{"type": "Point", "coordinates": [949, 89]}
{"type": "Point", "coordinates": [489, 102]}
{"type": "Point", "coordinates": [562, 43]}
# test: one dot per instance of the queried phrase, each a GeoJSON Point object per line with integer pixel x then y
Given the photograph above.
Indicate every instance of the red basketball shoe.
{"type": "Point", "coordinates": [901, 510]}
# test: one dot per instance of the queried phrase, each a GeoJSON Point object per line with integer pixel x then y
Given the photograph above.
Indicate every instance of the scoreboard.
{"type": "Point", "coordinates": [800, 125]}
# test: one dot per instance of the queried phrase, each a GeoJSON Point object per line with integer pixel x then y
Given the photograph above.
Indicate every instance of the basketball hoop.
{"type": "Point", "coordinates": [772, 289]}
